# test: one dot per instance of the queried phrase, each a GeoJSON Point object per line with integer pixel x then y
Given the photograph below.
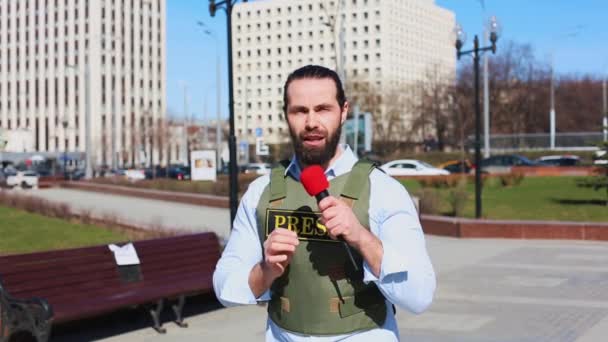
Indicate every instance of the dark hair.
{"type": "Point", "coordinates": [318, 72]}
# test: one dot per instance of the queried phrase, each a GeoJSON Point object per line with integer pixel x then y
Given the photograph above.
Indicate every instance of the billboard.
{"type": "Point", "coordinates": [203, 165]}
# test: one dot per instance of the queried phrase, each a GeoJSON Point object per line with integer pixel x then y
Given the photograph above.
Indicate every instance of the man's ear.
{"type": "Point", "coordinates": [344, 113]}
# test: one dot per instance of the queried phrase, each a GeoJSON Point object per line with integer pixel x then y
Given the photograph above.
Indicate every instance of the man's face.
{"type": "Point", "coordinates": [315, 119]}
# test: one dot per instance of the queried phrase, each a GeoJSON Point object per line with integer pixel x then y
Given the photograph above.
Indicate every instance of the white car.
{"type": "Point", "coordinates": [135, 174]}
{"type": "Point", "coordinates": [25, 179]}
{"type": "Point", "coordinates": [411, 167]}
{"type": "Point", "coordinates": [599, 158]}
{"type": "Point", "coordinates": [258, 168]}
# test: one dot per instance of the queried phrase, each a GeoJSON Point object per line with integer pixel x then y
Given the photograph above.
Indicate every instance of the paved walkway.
{"type": "Point", "coordinates": [488, 290]}
{"type": "Point", "coordinates": [140, 211]}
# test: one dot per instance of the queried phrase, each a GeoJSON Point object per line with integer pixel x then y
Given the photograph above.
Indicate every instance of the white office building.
{"type": "Point", "coordinates": [384, 42]}
{"type": "Point", "coordinates": [48, 51]}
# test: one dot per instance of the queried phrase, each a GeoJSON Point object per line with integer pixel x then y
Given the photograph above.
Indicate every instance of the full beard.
{"type": "Point", "coordinates": [315, 156]}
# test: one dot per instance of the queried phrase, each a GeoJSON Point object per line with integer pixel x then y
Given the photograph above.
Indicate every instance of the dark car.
{"type": "Point", "coordinates": [561, 160]}
{"type": "Point", "coordinates": [504, 163]}
{"type": "Point", "coordinates": [2, 180]}
{"type": "Point", "coordinates": [179, 172]}
{"type": "Point", "coordinates": [77, 174]}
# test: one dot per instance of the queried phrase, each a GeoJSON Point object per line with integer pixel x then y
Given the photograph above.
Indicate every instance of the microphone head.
{"type": "Point", "coordinates": [313, 179]}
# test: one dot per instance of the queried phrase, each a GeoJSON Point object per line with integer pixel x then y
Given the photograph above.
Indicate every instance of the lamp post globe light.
{"type": "Point", "coordinates": [227, 5]}
{"type": "Point", "coordinates": [460, 36]}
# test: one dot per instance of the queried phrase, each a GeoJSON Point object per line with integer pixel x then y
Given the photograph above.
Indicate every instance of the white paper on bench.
{"type": "Point", "coordinates": [125, 255]}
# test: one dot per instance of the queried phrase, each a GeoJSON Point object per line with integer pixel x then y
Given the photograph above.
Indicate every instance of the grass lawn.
{"type": "Point", "coordinates": [22, 232]}
{"type": "Point", "coordinates": [536, 198]}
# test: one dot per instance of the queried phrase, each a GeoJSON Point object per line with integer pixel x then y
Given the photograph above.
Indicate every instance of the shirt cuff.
{"type": "Point", "coordinates": [392, 262]}
{"type": "Point", "coordinates": [237, 290]}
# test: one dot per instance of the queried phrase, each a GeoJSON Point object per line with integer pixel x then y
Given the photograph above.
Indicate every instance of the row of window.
{"type": "Point", "coordinates": [260, 116]}
{"type": "Point", "coordinates": [269, 130]}
{"type": "Point", "coordinates": [42, 5]}
{"type": "Point", "coordinates": [37, 99]}
{"type": "Point", "coordinates": [301, 8]}
{"type": "Point", "coordinates": [366, 29]}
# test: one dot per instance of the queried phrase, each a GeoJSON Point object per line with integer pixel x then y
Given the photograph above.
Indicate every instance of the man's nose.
{"type": "Point", "coordinates": [312, 120]}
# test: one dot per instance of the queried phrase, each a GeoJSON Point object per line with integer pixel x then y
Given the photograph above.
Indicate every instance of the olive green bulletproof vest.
{"type": "Point", "coordinates": [320, 293]}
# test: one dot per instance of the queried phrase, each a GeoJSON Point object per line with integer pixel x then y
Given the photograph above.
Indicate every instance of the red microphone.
{"type": "Point", "coordinates": [315, 183]}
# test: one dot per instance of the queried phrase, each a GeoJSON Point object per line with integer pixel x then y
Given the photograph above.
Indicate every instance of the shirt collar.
{"type": "Point", "coordinates": [342, 165]}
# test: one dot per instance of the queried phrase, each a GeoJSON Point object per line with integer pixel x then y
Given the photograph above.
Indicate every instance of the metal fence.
{"type": "Point", "coordinates": [579, 141]}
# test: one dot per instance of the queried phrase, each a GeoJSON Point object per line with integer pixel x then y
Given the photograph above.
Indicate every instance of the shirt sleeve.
{"type": "Point", "coordinates": [242, 252]}
{"type": "Point", "coordinates": [407, 278]}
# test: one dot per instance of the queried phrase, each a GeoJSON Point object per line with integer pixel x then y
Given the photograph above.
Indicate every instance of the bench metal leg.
{"type": "Point", "coordinates": [178, 310]}
{"type": "Point", "coordinates": [155, 313]}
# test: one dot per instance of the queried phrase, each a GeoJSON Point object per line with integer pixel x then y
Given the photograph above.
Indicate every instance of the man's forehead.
{"type": "Point", "coordinates": [320, 89]}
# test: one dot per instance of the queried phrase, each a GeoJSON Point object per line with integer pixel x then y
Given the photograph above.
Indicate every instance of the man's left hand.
{"type": "Point", "coordinates": [340, 219]}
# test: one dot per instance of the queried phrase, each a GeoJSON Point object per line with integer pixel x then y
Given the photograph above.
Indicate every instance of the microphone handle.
{"type": "Point", "coordinates": [320, 196]}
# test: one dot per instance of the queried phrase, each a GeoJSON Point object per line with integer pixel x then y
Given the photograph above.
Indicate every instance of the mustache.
{"type": "Point", "coordinates": [314, 133]}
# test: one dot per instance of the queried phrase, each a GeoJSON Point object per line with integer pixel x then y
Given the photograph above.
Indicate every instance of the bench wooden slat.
{"type": "Point", "coordinates": [93, 308]}
{"type": "Point", "coordinates": [68, 275]}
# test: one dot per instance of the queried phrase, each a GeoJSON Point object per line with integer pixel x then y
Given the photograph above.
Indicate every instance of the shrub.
{"type": "Point", "coordinates": [439, 182]}
{"type": "Point", "coordinates": [458, 199]}
{"type": "Point", "coordinates": [511, 179]}
{"type": "Point", "coordinates": [429, 201]}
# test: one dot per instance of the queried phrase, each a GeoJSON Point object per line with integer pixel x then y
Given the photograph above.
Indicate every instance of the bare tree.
{"type": "Point", "coordinates": [431, 105]}
{"type": "Point", "coordinates": [387, 107]}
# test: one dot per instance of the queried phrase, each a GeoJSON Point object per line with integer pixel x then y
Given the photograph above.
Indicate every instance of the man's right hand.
{"type": "Point", "coordinates": [279, 248]}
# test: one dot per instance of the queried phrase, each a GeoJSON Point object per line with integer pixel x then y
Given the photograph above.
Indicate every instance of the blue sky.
{"type": "Point", "coordinates": [575, 30]}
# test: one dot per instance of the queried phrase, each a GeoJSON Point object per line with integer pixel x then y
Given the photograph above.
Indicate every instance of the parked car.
{"type": "Point", "coordinates": [25, 179]}
{"type": "Point", "coordinates": [135, 174]}
{"type": "Point", "coordinates": [76, 174]}
{"type": "Point", "coordinates": [2, 179]}
{"type": "Point", "coordinates": [456, 166]}
{"type": "Point", "coordinates": [178, 172]}
{"type": "Point", "coordinates": [504, 163]}
{"type": "Point", "coordinates": [257, 168]}
{"type": "Point", "coordinates": [599, 158]}
{"type": "Point", "coordinates": [559, 160]}
{"type": "Point", "coordinates": [411, 167]}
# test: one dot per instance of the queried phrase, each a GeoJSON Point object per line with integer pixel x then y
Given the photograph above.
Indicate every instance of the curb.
{"type": "Point", "coordinates": [516, 229]}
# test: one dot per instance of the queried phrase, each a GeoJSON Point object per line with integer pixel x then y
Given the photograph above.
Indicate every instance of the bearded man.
{"type": "Point", "coordinates": [289, 251]}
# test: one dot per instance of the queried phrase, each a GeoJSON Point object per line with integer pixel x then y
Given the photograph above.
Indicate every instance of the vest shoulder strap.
{"type": "Point", "coordinates": [278, 188]}
{"type": "Point", "coordinates": [358, 175]}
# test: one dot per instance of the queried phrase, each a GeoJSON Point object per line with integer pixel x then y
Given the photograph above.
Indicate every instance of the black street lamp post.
{"type": "Point", "coordinates": [227, 5]}
{"type": "Point", "coordinates": [494, 29]}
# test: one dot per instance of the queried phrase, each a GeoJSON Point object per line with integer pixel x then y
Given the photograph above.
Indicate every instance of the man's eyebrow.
{"type": "Point", "coordinates": [323, 106]}
{"type": "Point", "coordinates": [296, 108]}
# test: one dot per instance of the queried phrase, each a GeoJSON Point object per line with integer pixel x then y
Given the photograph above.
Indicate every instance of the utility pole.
{"type": "Point", "coordinates": [186, 123]}
{"type": "Point", "coordinates": [218, 109]}
{"type": "Point", "coordinates": [552, 110]}
{"type": "Point", "coordinates": [486, 100]}
{"type": "Point", "coordinates": [88, 173]}
{"type": "Point", "coordinates": [605, 120]}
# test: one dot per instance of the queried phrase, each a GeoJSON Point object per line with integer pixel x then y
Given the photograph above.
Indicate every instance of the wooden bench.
{"type": "Point", "coordinates": [86, 282]}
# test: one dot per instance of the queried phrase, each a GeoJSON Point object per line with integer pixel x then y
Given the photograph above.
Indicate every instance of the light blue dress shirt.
{"type": "Point", "coordinates": [406, 279]}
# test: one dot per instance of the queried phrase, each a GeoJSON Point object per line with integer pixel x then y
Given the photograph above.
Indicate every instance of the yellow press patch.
{"type": "Point", "coordinates": [305, 223]}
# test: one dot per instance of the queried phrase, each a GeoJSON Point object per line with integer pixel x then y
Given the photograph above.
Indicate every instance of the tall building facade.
{"type": "Point", "coordinates": [385, 43]}
{"type": "Point", "coordinates": [53, 51]}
